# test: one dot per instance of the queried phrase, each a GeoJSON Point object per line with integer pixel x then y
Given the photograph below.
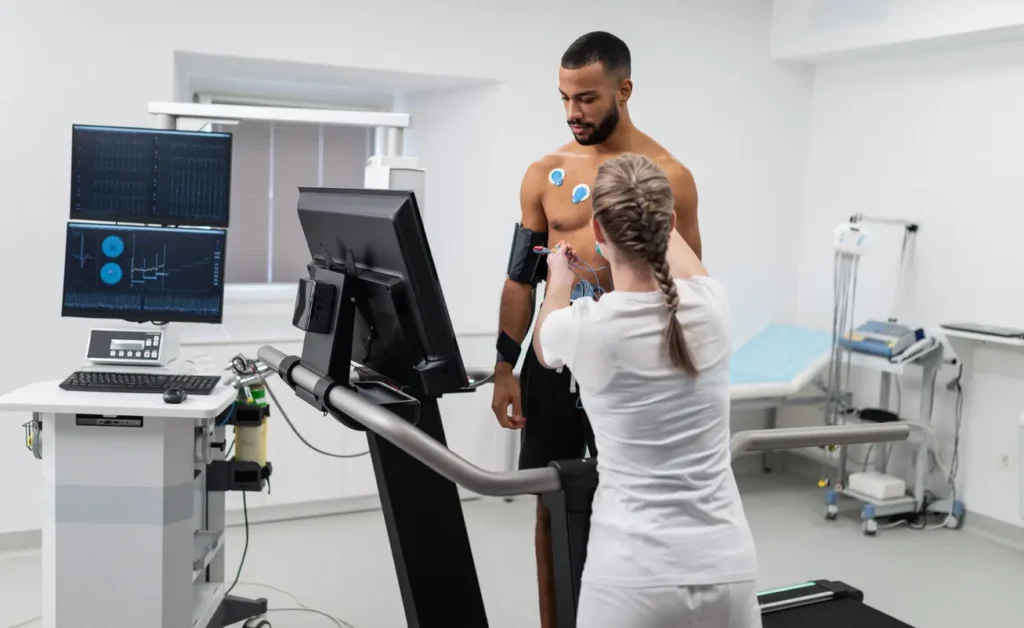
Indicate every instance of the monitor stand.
{"type": "Point", "coordinates": [422, 510]}
{"type": "Point", "coordinates": [146, 345]}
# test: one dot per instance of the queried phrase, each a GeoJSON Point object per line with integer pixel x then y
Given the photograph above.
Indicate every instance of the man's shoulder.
{"type": "Point", "coordinates": [556, 158]}
{"type": "Point", "coordinates": [674, 169]}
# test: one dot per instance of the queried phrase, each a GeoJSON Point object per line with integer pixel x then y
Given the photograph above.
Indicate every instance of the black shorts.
{"type": "Point", "coordinates": [556, 427]}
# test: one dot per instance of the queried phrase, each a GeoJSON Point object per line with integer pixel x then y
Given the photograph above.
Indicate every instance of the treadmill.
{"type": "Point", "coordinates": [819, 604]}
{"type": "Point", "coordinates": [373, 299]}
{"type": "Point", "coordinates": [806, 605]}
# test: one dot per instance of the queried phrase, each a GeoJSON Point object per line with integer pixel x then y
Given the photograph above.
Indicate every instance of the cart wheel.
{"type": "Point", "coordinates": [870, 527]}
{"type": "Point", "coordinates": [509, 500]}
{"type": "Point", "coordinates": [257, 622]}
{"type": "Point", "coordinates": [831, 512]}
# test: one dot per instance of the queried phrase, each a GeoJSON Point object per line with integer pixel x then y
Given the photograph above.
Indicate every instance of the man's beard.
{"type": "Point", "coordinates": [603, 130]}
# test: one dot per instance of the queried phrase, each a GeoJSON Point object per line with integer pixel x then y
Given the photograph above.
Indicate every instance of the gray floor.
{"type": "Point", "coordinates": [341, 565]}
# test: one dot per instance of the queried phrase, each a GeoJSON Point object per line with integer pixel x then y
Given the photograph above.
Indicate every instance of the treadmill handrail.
{"type": "Point", "coordinates": [417, 444]}
{"type": "Point", "coordinates": [457, 469]}
{"type": "Point", "coordinates": [819, 436]}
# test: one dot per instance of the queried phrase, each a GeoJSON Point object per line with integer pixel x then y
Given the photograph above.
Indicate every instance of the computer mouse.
{"type": "Point", "coordinates": [175, 395]}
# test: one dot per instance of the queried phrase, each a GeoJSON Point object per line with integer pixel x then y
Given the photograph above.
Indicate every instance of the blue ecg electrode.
{"type": "Point", "coordinates": [580, 193]}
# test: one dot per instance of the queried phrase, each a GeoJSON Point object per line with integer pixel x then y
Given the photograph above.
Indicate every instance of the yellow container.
{"type": "Point", "coordinates": [251, 443]}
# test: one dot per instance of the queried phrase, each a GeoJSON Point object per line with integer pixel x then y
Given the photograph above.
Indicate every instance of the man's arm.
{"type": "Point", "coordinates": [685, 191]}
{"type": "Point", "coordinates": [517, 297]}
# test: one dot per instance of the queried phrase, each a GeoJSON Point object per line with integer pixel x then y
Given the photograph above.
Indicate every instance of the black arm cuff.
{"type": "Point", "coordinates": [508, 349]}
{"type": "Point", "coordinates": [524, 265]}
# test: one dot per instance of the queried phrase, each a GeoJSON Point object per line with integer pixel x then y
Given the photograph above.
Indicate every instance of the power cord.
{"type": "Point", "coordinates": [227, 417]}
{"type": "Point", "coordinates": [245, 550]}
{"type": "Point", "coordinates": [280, 409]}
{"type": "Point", "coordinates": [28, 622]}
{"type": "Point", "coordinates": [341, 623]}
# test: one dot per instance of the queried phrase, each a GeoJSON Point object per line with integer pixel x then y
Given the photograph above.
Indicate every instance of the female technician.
{"type": "Point", "coordinates": [669, 543]}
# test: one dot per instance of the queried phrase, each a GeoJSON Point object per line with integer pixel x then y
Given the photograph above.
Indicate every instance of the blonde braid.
{"type": "Point", "coordinates": [634, 205]}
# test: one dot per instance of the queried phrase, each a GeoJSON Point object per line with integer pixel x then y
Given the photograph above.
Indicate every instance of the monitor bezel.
{"type": "Point", "coordinates": [151, 220]}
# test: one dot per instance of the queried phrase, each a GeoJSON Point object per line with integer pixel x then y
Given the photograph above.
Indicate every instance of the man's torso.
{"type": "Point", "coordinates": [568, 206]}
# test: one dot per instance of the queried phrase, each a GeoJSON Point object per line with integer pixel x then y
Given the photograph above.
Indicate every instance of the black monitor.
{"type": "Point", "coordinates": [373, 287]}
{"type": "Point", "coordinates": [150, 176]}
{"type": "Point", "coordinates": [142, 274]}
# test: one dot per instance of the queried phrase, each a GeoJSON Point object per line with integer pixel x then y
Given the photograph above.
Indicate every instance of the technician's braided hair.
{"type": "Point", "coordinates": [634, 205]}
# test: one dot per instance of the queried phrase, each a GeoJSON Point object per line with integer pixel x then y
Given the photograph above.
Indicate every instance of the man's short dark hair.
{"type": "Point", "coordinates": [599, 47]}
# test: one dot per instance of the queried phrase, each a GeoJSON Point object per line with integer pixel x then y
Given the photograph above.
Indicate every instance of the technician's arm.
{"type": "Point", "coordinates": [684, 189]}
{"type": "Point", "coordinates": [557, 297]}
{"type": "Point", "coordinates": [682, 261]}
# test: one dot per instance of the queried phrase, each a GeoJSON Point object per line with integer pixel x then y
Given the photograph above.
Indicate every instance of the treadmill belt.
{"type": "Point", "coordinates": [842, 613]}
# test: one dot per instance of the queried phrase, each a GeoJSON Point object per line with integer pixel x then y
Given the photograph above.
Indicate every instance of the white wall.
{"type": "Point", "coordinates": [705, 87]}
{"type": "Point", "coordinates": [934, 137]}
{"type": "Point", "coordinates": [831, 29]}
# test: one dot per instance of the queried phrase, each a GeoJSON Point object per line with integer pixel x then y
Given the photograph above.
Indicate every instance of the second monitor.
{"type": "Point", "coordinates": [144, 274]}
{"type": "Point", "coordinates": [150, 176]}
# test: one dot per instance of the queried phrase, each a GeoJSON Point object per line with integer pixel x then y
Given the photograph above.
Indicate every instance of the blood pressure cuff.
{"type": "Point", "coordinates": [524, 265]}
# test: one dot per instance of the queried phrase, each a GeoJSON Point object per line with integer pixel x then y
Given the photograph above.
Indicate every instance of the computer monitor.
{"type": "Point", "coordinates": [150, 176]}
{"type": "Point", "coordinates": [370, 246]}
{"type": "Point", "coordinates": [144, 274]}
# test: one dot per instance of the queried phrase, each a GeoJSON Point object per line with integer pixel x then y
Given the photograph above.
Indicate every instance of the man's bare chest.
{"type": "Point", "coordinates": [567, 197]}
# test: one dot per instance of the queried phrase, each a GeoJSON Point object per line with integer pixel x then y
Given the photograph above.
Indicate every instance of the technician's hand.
{"type": "Point", "coordinates": [506, 393]}
{"type": "Point", "coordinates": [558, 263]}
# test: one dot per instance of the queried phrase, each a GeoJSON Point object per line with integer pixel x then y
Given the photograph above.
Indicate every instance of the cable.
{"type": "Point", "coordinates": [231, 413]}
{"type": "Point", "coordinates": [28, 622]}
{"type": "Point", "coordinates": [337, 620]}
{"type": "Point", "coordinates": [245, 550]}
{"type": "Point", "coordinates": [280, 409]}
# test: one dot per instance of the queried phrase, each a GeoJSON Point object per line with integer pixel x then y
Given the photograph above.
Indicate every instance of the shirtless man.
{"type": "Point", "coordinates": [594, 80]}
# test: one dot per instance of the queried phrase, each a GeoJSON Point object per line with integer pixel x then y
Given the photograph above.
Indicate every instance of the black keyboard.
{"type": "Point", "coordinates": [107, 381]}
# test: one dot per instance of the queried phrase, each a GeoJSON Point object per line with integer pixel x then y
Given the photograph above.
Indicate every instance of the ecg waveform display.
{"type": "Point", "coordinates": [150, 176]}
{"type": "Point", "coordinates": [144, 273]}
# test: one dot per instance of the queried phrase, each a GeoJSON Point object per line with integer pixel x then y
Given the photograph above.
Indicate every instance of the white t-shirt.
{"type": "Point", "coordinates": [667, 511]}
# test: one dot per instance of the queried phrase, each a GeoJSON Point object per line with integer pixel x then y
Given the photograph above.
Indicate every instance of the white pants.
{"type": "Point", "coordinates": [713, 606]}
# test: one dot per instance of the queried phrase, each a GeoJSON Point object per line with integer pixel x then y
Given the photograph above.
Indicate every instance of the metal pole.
{"type": "Point", "coordinates": [380, 141]}
{"type": "Point", "coordinates": [444, 461]}
{"type": "Point", "coordinates": [881, 220]}
{"type": "Point", "coordinates": [797, 437]}
{"type": "Point", "coordinates": [410, 439]}
{"type": "Point", "coordinates": [395, 140]}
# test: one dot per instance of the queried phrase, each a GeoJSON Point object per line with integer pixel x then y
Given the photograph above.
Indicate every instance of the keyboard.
{"type": "Point", "coordinates": [111, 381]}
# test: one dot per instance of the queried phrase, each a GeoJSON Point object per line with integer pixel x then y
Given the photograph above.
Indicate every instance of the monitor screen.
{"type": "Point", "coordinates": [381, 231]}
{"type": "Point", "coordinates": [150, 176]}
{"type": "Point", "coordinates": [144, 273]}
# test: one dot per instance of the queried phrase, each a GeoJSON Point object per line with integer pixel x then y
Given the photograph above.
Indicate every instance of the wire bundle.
{"type": "Point", "coordinates": [577, 265]}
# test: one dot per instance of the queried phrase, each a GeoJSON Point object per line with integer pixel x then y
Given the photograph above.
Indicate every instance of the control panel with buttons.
{"type": "Point", "coordinates": [120, 346]}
